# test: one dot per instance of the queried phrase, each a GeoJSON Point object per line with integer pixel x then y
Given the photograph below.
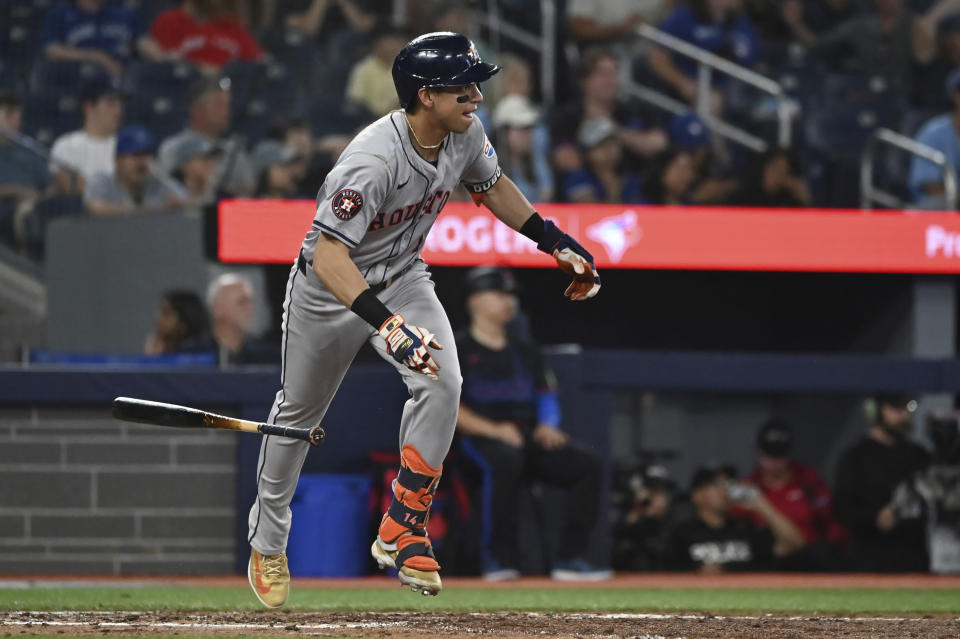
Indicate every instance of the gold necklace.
{"type": "Point", "coordinates": [422, 145]}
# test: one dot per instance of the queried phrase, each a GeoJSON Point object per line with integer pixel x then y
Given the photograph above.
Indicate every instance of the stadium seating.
{"type": "Point", "coordinates": [65, 76]}
{"type": "Point", "coordinates": [50, 114]}
{"type": "Point", "coordinates": [7, 208]}
{"type": "Point", "coordinates": [171, 79]}
{"type": "Point", "coordinates": [163, 115]}
{"type": "Point", "coordinates": [330, 115]}
{"type": "Point", "coordinates": [21, 27]}
{"type": "Point", "coordinates": [294, 50]}
{"type": "Point", "coordinates": [261, 95]}
{"type": "Point", "coordinates": [10, 78]}
{"type": "Point", "coordinates": [147, 10]}
{"type": "Point", "coordinates": [156, 95]}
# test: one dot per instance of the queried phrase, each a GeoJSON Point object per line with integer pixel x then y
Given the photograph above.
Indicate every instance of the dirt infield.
{"type": "Point", "coordinates": [503, 625]}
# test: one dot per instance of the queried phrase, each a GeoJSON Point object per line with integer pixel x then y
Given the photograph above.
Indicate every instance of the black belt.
{"type": "Point", "coordinates": [302, 265]}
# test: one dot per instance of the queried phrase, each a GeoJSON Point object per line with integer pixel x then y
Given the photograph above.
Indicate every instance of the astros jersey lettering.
{"type": "Point", "coordinates": [382, 197]}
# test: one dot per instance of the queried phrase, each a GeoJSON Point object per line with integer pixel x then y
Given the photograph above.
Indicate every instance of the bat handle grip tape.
{"type": "Point", "coordinates": [313, 435]}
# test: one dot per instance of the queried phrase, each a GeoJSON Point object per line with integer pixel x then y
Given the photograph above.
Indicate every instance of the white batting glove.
{"type": "Point", "coordinates": [408, 345]}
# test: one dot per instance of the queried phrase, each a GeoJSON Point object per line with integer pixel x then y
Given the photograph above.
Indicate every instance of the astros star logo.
{"type": "Point", "coordinates": [346, 203]}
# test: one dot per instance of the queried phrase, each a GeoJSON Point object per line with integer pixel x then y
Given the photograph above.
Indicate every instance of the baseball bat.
{"type": "Point", "coordinates": [130, 409]}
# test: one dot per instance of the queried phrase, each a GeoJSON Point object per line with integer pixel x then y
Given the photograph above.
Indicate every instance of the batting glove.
{"type": "Point", "coordinates": [408, 345]}
{"type": "Point", "coordinates": [573, 260]}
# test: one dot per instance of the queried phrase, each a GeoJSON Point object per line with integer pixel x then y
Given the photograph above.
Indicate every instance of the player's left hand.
{"type": "Point", "coordinates": [408, 345]}
{"type": "Point", "coordinates": [586, 280]}
{"type": "Point", "coordinates": [573, 260]}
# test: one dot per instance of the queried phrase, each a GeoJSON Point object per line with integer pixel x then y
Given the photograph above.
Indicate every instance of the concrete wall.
{"type": "Point", "coordinates": [105, 278]}
{"type": "Point", "coordinates": [81, 493]}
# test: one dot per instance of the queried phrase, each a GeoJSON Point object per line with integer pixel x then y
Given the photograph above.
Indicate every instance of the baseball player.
{"type": "Point", "coordinates": [359, 278]}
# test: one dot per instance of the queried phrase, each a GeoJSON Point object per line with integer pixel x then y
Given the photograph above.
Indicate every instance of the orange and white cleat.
{"type": "Point", "coordinates": [426, 582]}
{"type": "Point", "coordinates": [269, 578]}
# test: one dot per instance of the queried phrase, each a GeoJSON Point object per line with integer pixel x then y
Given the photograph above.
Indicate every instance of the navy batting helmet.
{"type": "Point", "coordinates": [441, 59]}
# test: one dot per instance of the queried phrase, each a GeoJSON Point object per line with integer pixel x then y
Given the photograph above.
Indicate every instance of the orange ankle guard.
{"type": "Point", "coordinates": [406, 520]}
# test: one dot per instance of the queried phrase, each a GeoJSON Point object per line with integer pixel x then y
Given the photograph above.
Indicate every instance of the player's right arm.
{"type": "Point", "coordinates": [407, 344]}
{"type": "Point", "coordinates": [333, 266]}
{"type": "Point", "coordinates": [353, 191]}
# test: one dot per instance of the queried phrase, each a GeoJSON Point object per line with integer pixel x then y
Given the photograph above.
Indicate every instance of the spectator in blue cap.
{"type": "Point", "coordinates": [88, 151]}
{"type": "Point", "coordinates": [132, 187]}
{"type": "Point", "coordinates": [690, 135]}
{"type": "Point", "coordinates": [106, 34]}
{"type": "Point", "coordinates": [940, 133]}
{"type": "Point", "coordinates": [688, 132]}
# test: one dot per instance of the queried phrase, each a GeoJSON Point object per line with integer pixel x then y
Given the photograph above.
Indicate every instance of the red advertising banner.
{"type": "Point", "coordinates": [641, 237]}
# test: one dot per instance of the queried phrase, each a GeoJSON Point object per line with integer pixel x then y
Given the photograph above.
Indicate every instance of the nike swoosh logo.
{"type": "Point", "coordinates": [261, 587]}
{"type": "Point", "coordinates": [400, 186]}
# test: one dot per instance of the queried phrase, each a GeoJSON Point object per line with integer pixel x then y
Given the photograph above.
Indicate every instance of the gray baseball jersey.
{"type": "Point", "coordinates": [380, 199]}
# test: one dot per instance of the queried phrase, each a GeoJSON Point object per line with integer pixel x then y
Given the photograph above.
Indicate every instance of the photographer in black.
{"type": "Point", "coordinates": [931, 497]}
{"type": "Point", "coordinates": [867, 474]}
{"type": "Point", "coordinates": [643, 504]}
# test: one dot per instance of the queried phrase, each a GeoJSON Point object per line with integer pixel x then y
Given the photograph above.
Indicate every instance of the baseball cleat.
{"type": "Point", "coordinates": [269, 578]}
{"type": "Point", "coordinates": [426, 582]}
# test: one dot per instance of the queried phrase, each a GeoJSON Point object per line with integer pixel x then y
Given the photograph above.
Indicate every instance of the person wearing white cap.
{"type": "Point", "coordinates": [515, 118]}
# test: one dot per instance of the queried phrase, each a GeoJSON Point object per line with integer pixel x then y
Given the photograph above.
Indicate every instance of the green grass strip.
{"type": "Point", "coordinates": [788, 600]}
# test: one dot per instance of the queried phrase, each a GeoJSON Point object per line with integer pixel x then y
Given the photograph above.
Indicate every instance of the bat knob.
{"type": "Point", "coordinates": [317, 435]}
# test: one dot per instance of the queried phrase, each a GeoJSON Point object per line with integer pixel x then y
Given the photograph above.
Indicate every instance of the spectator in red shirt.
{"type": "Point", "coordinates": [205, 32]}
{"type": "Point", "coordinates": [800, 494]}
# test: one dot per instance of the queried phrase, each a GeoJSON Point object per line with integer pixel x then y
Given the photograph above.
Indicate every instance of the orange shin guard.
{"type": "Point", "coordinates": [406, 520]}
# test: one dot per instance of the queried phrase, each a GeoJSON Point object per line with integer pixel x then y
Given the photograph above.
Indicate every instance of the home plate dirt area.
{"type": "Point", "coordinates": [495, 624]}
{"type": "Point", "coordinates": [29, 614]}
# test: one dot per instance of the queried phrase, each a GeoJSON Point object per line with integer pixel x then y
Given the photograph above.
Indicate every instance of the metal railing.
{"type": "Point", "coordinates": [707, 64]}
{"type": "Point", "coordinates": [544, 44]}
{"type": "Point", "coordinates": [870, 194]}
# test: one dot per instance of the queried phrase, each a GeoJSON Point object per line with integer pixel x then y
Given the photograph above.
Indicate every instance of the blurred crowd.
{"type": "Point", "coordinates": [892, 506]}
{"type": "Point", "coordinates": [219, 325]}
{"type": "Point", "coordinates": [110, 107]}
